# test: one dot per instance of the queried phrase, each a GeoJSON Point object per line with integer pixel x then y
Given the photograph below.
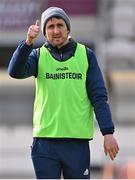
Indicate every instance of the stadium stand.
{"type": "Point", "coordinates": [119, 58]}
{"type": "Point", "coordinates": [118, 39]}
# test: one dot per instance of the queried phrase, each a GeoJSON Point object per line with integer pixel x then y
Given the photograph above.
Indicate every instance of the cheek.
{"type": "Point", "coordinates": [48, 34]}
{"type": "Point", "coordinates": [66, 34]}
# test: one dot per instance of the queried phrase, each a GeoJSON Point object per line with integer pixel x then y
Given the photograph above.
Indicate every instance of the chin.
{"type": "Point", "coordinates": [58, 44]}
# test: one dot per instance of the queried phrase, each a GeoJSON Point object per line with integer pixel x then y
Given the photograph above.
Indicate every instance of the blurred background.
{"type": "Point", "coordinates": [107, 27]}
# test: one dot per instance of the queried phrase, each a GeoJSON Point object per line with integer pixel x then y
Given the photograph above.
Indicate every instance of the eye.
{"type": "Point", "coordinates": [60, 25]}
{"type": "Point", "coordinates": [51, 26]}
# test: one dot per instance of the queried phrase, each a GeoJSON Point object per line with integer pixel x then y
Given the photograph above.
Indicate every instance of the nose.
{"type": "Point", "coordinates": [56, 30]}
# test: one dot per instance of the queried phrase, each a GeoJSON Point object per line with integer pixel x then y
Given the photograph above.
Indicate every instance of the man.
{"type": "Point", "coordinates": [69, 87]}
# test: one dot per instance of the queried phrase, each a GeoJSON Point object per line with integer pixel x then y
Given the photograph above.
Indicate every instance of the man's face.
{"type": "Point", "coordinates": [56, 32]}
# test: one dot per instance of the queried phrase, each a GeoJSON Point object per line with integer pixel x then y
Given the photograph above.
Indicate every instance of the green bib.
{"type": "Point", "coordinates": [62, 108]}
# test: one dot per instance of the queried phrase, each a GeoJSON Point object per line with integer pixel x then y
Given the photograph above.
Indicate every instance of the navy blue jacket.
{"type": "Point", "coordinates": [24, 63]}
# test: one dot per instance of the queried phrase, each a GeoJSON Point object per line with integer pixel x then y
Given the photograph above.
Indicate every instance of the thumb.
{"type": "Point", "coordinates": [37, 22]}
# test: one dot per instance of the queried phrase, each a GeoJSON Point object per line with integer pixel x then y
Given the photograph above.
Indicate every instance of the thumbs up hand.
{"type": "Point", "coordinates": [32, 33]}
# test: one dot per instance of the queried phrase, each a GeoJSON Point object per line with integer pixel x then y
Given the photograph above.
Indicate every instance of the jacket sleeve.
{"type": "Point", "coordinates": [97, 94]}
{"type": "Point", "coordinates": [24, 61]}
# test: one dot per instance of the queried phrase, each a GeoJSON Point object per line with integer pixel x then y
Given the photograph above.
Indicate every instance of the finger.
{"type": "Point", "coordinates": [105, 151]}
{"type": "Point", "coordinates": [37, 22]}
{"type": "Point", "coordinates": [112, 156]}
{"type": "Point", "coordinates": [34, 29]}
{"type": "Point", "coordinates": [32, 34]}
{"type": "Point", "coordinates": [115, 149]}
{"type": "Point", "coordinates": [112, 153]}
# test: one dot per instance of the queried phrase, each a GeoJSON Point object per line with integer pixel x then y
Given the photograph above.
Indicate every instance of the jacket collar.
{"type": "Point", "coordinates": [70, 45]}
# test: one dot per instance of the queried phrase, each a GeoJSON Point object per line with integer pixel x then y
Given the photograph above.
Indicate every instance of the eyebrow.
{"type": "Point", "coordinates": [60, 23]}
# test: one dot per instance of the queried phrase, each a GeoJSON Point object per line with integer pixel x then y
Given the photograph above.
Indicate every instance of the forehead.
{"type": "Point", "coordinates": [55, 20]}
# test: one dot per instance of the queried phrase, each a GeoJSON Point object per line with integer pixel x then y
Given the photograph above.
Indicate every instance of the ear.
{"type": "Point", "coordinates": [68, 32]}
{"type": "Point", "coordinates": [44, 32]}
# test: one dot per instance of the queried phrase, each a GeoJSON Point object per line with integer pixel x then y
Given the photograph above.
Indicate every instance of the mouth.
{"type": "Point", "coordinates": [57, 37]}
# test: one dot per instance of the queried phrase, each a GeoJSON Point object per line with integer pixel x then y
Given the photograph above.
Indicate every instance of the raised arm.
{"type": "Point", "coordinates": [24, 61]}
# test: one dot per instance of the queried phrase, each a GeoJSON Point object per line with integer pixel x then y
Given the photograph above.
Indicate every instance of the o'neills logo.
{"type": "Point", "coordinates": [62, 69]}
{"type": "Point", "coordinates": [68, 75]}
